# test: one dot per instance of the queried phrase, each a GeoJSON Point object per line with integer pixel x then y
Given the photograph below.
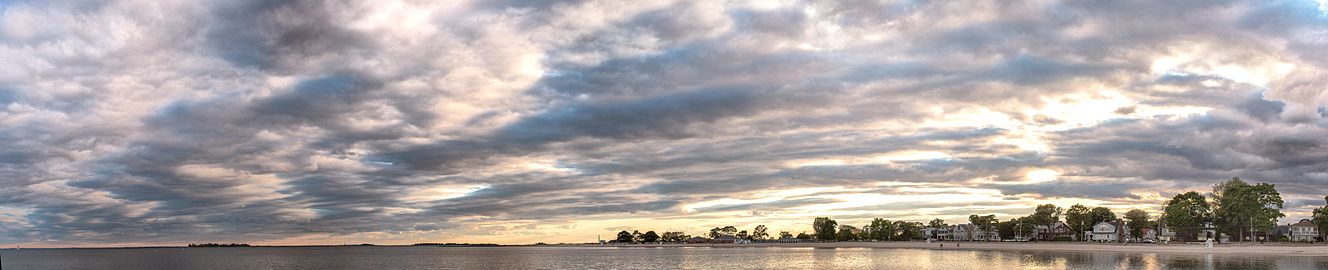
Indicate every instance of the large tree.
{"type": "Point", "coordinates": [1100, 214]}
{"type": "Point", "coordinates": [1241, 209]}
{"type": "Point", "coordinates": [674, 237]}
{"type": "Point", "coordinates": [1186, 213]}
{"type": "Point", "coordinates": [937, 223]}
{"type": "Point", "coordinates": [984, 223]}
{"type": "Point", "coordinates": [1320, 219]}
{"type": "Point", "coordinates": [847, 233]}
{"type": "Point", "coordinates": [1046, 214]}
{"type": "Point", "coordinates": [1137, 219]}
{"type": "Point", "coordinates": [760, 233]}
{"type": "Point", "coordinates": [650, 237]}
{"type": "Point", "coordinates": [908, 230]}
{"type": "Point", "coordinates": [824, 228]}
{"type": "Point", "coordinates": [1078, 219]}
{"type": "Point", "coordinates": [624, 237]}
{"type": "Point", "coordinates": [880, 229]}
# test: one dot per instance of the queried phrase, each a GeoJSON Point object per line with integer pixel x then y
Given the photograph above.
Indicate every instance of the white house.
{"type": "Point", "coordinates": [1109, 231]}
{"type": "Point", "coordinates": [1165, 234]}
{"type": "Point", "coordinates": [942, 233]}
{"type": "Point", "coordinates": [962, 232]}
{"type": "Point", "coordinates": [1304, 231]}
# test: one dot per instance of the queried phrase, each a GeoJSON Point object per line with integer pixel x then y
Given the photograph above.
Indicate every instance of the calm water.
{"type": "Point", "coordinates": [625, 258]}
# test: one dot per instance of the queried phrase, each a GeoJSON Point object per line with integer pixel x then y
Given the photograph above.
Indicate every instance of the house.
{"type": "Point", "coordinates": [1147, 235]}
{"type": "Point", "coordinates": [699, 240]}
{"type": "Point", "coordinates": [1165, 234]}
{"type": "Point", "coordinates": [1045, 233]}
{"type": "Point", "coordinates": [1281, 232]}
{"type": "Point", "coordinates": [986, 235]}
{"type": "Point", "coordinates": [941, 233]}
{"type": "Point", "coordinates": [961, 232]}
{"type": "Point", "coordinates": [1304, 231]}
{"type": "Point", "coordinates": [1109, 231]}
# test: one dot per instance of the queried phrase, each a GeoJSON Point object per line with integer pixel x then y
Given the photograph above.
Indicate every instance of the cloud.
{"type": "Point", "coordinates": [129, 122]}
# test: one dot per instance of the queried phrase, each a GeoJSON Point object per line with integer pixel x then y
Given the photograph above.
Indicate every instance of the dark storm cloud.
{"type": "Point", "coordinates": [268, 120]}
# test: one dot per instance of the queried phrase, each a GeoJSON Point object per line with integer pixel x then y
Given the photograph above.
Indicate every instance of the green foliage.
{"type": "Point", "coordinates": [1320, 218]}
{"type": "Point", "coordinates": [1185, 213]}
{"type": "Point", "coordinates": [785, 234]}
{"type": "Point", "coordinates": [908, 230]}
{"type": "Point", "coordinates": [1077, 217]}
{"type": "Point", "coordinates": [1046, 214]}
{"type": "Point", "coordinates": [824, 228]}
{"type": "Point", "coordinates": [1137, 219]}
{"type": "Point", "coordinates": [743, 235]}
{"type": "Point", "coordinates": [847, 233]}
{"type": "Point", "coordinates": [1100, 214]}
{"type": "Point", "coordinates": [937, 223]}
{"type": "Point", "coordinates": [984, 223]}
{"type": "Point", "coordinates": [1240, 208]}
{"type": "Point", "coordinates": [804, 236]}
{"type": "Point", "coordinates": [881, 229]}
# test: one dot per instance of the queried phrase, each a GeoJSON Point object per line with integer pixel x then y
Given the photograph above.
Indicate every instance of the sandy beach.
{"type": "Point", "coordinates": [1192, 248]}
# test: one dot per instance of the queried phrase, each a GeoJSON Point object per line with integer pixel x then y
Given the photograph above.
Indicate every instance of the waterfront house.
{"type": "Point", "coordinates": [962, 232]}
{"type": "Point", "coordinates": [1165, 234]}
{"type": "Point", "coordinates": [1060, 229]}
{"type": "Point", "coordinates": [941, 233]}
{"type": "Point", "coordinates": [1304, 231]}
{"type": "Point", "coordinates": [1109, 231]}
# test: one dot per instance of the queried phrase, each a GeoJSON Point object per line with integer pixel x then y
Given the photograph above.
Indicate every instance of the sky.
{"type": "Point", "coordinates": [509, 121]}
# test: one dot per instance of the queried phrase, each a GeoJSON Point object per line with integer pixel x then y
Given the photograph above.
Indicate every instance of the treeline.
{"type": "Point", "coordinates": [218, 245]}
{"type": "Point", "coordinates": [636, 237]}
{"type": "Point", "coordinates": [879, 229]}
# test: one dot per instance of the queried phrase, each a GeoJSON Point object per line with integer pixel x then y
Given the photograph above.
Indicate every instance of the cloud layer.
{"type": "Point", "coordinates": [128, 122]}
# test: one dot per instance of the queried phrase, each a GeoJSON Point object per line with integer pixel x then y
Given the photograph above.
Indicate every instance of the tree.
{"type": "Point", "coordinates": [1077, 218]}
{"type": "Point", "coordinates": [847, 233]}
{"type": "Point", "coordinates": [674, 237]}
{"type": "Point", "coordinates": [1137, 220]}
{"type": "Point", "coordinates": [650, 237]}
{"type": "Point", "coordinates": [881, 229]}
{"type": "Point", "coordinates": [760, 233]}
{"type": "Point", "coordinates": [624, 237]}
{"type": "Point", "coordinates": [984, 223]}
{"type": "Point", "coordinates": [743, 235]}
{"type": "Point", "coordinates": [804, 236]}
{"type": "Point", "coordinates": [824, 228]}
{"type": "Point", "coordinates": [637, 236]}
{"type": "Point", "coordinates": [937, 223]}
{"type": "Point", "coordinates": [1320, 219]}
{"type": "Point", "coordinates": [908, 230]}
{"type": "Point", "coordinates": [1046, 214]}
{"type": "Point", "coordinates": [1100, 214]}
{"type": "Point", "coordinates": [1240, 208]}
{"type": "Point", "coordinates": [785, 235]}
{"type": "Point", "coordinates": [1186, 213]}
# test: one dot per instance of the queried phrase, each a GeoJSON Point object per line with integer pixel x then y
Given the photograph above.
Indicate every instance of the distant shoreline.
{"type": "Point", "coordinates": [1188, 248]}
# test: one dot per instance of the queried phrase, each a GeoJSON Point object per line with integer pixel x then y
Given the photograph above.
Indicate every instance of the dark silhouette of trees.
{"type": "Point", "coordinates": [824, 228]}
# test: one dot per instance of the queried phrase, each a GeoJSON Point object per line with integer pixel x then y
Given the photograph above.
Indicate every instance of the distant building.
{"type": "Point", "coordinates": [699, 240]}
{"type": "Point", "coordinates": [962, 232]}
{"type": "Point", "coordinates": [1109, 231]}
{"type": "Point", "coordinates": [1165, 234]}
{"type": "Point", "coordinates": [1060, 229]}
{"type": "Point", "coordinates": [941, 233]}
{"type": "Point", "coordinates": [1304, 231]}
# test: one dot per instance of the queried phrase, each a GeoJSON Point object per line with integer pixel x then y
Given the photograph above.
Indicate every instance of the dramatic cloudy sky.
{"type": "Point", "coordinates": [328, 122]}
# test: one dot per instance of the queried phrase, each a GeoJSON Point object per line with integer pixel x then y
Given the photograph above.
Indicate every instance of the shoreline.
{"type": "Point", "coordinates": [1315, 250]}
